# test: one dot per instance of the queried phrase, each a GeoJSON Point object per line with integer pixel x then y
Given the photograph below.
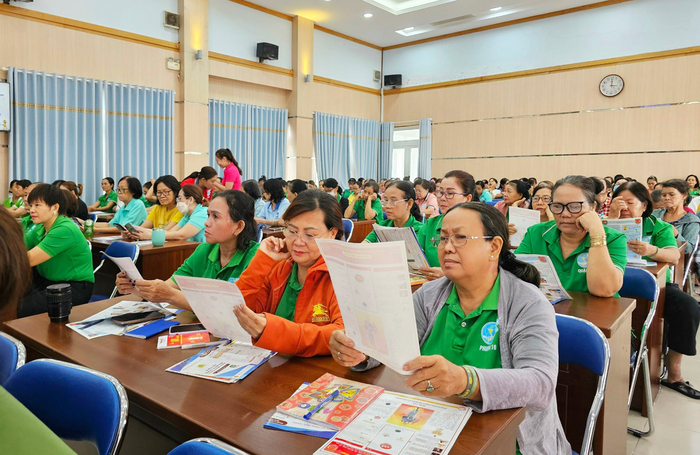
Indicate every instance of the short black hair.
{"type": "Point", "coordinates": [169, 181]}
{"type": "Point", "coordinates": [50, 195]}
{"type": "Point", "coordinates": [241, 207]}
{"type": "Point", "coordinates": [640, 192]}
{"type": "Point", "coordinates": [351, 181]}
{"type": "Point", "coordinates": [24, 183]}
{"type": "Point", "coordinates": [110, 180]}
{"type": "Point", "coordinates": [275, 189]}
{"type": "Point", "coordinates": [330, 183]}
{"type": "Point", "coordinates": [134, 186]}
{"type": "Point", "coordinates": [373, 184]}
{"type": "Point", "coordinates": [12, 183]}
{"type": "Point", "coordinates": [297, 186]}
{"type": "Point", "coordinates": [521, 187]}
{"type": "Point", "coordinates": [252, 189]}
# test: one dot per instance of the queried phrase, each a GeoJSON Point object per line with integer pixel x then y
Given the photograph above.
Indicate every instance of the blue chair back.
{"type": "Point", "coordinates": [493, 203]}
{"type": "Point", "coordinates": [93, 217]}
{"type": "Point", "coordinates": [122, 250]}
{"type": "Point", "coordinates": [582, 343]}
{"type": "Point", "coordinates": [12, 356]}
{"type": "Point", "coordinates": [206, 446]}
{"type": "Point", "coordinates": [639, 283]}
{"type": "Point", "coordinates": [75, 402]}
{"type": "Point", "coordinates": [348, 227]}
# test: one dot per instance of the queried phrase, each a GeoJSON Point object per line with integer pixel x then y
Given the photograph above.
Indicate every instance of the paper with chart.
{"type": "Point", "coordinates": [399, 424]}
{"type": "Point", "coordinates": [522, 219]}
{"type": "Point", "coordinates": [125, 264]}
{"type": "Point", "coordinates": [550, 285]}
{"type": "Point", "coordinates": [414, 254]}
{"type": "Point", "coordinates": [213, 301]}
{"type": "Point", "coordinates": [373, 289]}
{"type": "Point", "coordinates": [632, 228]}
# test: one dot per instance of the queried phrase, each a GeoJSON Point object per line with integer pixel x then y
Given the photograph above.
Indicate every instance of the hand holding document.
{"type": "Point", "coordinates": [414, 253]}
{"type": "Point", "coordinates": [125, 264]}
{"type": "Point", "coordinates": [550, 285]}
{"type": "Point", "coordinates": [632, 228]}
{"type": "Point", "coordinates": [522, 219]}
{"type": "Point", "coordinates": [373, 289]}
{"type": "Point", "coordinates": [213, 301]}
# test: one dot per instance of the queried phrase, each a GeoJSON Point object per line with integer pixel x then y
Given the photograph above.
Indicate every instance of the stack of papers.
{"type": "Point", "coordinates": [283, 422]}
{"type": "Point", "coordinates": [100, 324]}
{"type": "Point", "coordinates": [229, 363]}
{"type": "Point", "coordinates": [550, 285]}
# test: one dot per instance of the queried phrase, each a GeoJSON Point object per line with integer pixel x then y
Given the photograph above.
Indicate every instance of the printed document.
{"type": "Point", "coordinates": [414, 253]}
{"type": "Point", "coordinates": [522, 219]}
{"type": "Point", "coordinates": [550, 285]}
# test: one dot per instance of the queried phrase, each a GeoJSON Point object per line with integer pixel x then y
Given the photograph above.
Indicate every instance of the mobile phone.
{"type": "Point", "coordinates": [135, 318]}
{"type": "Point", "coordinates": [130, 227]}
{"type": "Point", "coordinates": [184, 328]}
{"type": "Point", "coordinates": [119, 227]}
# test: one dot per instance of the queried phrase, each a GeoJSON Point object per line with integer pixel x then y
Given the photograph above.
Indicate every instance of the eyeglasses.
{"type": "Point", "coordinates": [572, 207]}
{"type": "Point", "coordinates": [457, 240]}
{"type": "Point", "coordinates": [163, 193]}
{"type": "Point", "coordinates": [181, 199]}
{"type": "Point", "coordinates": [542, 198]}
{"type": "Point", "coordinates": [386, 203]}
{"type": "Point", "coordinates": [440, 194]}
{"type": "Point", "coordinates": [293, 234]}
{"type": "Point", "coordinates": [122, 190]}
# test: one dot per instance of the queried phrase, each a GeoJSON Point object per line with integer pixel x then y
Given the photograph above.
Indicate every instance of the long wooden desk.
{"type": "Point", "coordinates": [360, 230]}
{"type": "Point", "coordinates": [233, 413]}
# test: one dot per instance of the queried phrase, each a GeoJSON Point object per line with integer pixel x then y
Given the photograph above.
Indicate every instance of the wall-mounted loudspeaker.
{"type": "Point", "coordinates": [267, 51]}
{"type": "Point", "coordinates": [377, 75]}
{"type": "Point", "coordinates": [171, 20]}
{"type": "Point", "coordinates": [392, 80]}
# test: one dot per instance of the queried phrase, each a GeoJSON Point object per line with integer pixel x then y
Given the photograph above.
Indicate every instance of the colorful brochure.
{"type": "Point", "coordinates": [414, 254]}
{"type": "Point", "coordinates": [399, 424]}
{"type": "Point", "coordinates": [632, 228]}
{"type": "Point", "coordinates": [178, 340]}
{"type": "Point", "coordinates": [283, 422]}
{"type": "Point", "coordinates": [522, 219]}
{"type": "Point", "coordinates": [550, 285]}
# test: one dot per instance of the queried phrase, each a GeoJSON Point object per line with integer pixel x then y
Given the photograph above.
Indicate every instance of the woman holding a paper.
{"type": "Point", "coordinates": [291, 305]}
{"type": "Point", "coordinates": [487, 333]}
{"type": "Point", "coordinates": [588, 256]}
{"type": "Point", "coordinates": [681, 311]}
{"type": "Point", "coordinates": [399, 202]}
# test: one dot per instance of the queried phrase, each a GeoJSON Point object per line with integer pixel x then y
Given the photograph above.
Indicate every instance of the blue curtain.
{"type": "Point", "coordinates": [57, 130]}
{"type": "Point", "coordinates": [345, 147]}
{"type": "Point", "coordinates": [256, 135]}
{"type": "Point", "coordinates": [425, 148]}
{"type": "Point", "coordinates": [139, 132]}
{"type": "Point", "coordinates": [386, 149]}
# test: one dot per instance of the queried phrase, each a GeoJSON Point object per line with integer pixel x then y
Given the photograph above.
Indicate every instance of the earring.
{"type": "Point", "coordinates": [55, 212]}
{"type": "Point", "coordinates": [492, 256]}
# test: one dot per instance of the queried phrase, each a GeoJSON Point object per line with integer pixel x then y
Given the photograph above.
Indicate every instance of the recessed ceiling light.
{"type": "Point", "coordinates": [408, 29]}
{"type": "Point", "coordinates": [368, 15]}
{"type": "Point", "coordinates": [497, 8]}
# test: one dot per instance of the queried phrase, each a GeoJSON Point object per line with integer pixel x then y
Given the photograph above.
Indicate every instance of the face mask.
{"type": "Point", "coordinates": [182, 207]}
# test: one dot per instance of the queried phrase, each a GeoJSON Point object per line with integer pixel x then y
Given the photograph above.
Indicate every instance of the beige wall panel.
{"type": "Point", "coordinates": [4, 164]}
{"type": "Point", "coordinates": [345, 101]}
{"type": "Point", "coordinates": [250, 75]}
{"type": "Point", "coordinates": [638, 166]}
{"type": "Point", "coordinates": [669, 80]}
{"type": "Point", "coordinates": [196, 127]}
{"type": "Point", "coordinates": [192, 162]}
{"type": "Point", "coordinates": [245, 92]}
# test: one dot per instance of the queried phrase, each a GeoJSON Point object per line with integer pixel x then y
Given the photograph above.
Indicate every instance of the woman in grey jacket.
{"type": "Point", "coordinates": [674, 195]}
{"type": "Point", "coordinates": [487, 333]}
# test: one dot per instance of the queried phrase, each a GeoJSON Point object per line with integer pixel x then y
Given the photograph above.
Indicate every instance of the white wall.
{"type": "Point", "coordinates": [346, 61]}
{"type": "Point", "coordinates": [236, 29]}
{"type": "Point", "coordinates": [612, 31]}
{"type": "Point", "coordinates": [144, 17]}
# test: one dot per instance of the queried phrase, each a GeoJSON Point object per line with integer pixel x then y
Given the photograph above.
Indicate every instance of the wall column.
{"type": "Point", "coordinates": [300, 139]}
{"type": "Point", "coordinates": [192, 101]}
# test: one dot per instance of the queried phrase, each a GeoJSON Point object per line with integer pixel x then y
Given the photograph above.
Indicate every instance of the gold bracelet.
{"type": "Point", "coordinates": [598, 240]}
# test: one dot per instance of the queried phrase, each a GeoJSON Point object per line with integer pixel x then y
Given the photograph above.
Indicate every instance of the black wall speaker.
{"type": "Point", "coordinates": [267, 51]}
{"type": "Point", "coordinates": [392, 80]}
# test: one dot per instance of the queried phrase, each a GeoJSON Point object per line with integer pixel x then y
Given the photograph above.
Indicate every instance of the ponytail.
{"type": "Point", "coordinates": [226, 153]}
{"type": "Point", "coordinates": [526, 272]}
{"type": "Point", "coordinates": [194, 175]}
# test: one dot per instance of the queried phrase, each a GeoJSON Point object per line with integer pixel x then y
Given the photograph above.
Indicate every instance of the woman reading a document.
{"type": "Point", "coordinates": [487, 333]}
{"type": "Point", "coordinates": [399, 203]}
{"type": "Point", "coordinates": [291, 304]}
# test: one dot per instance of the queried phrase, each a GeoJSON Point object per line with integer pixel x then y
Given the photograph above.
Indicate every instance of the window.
{"type": "Point", "coordinates": [404, 160]}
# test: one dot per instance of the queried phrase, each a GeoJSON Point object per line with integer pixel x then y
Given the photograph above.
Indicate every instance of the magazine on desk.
{"type": "Point", "coordinates": [550, 285]}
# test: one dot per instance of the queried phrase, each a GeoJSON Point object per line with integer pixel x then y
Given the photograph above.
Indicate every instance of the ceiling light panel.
{"type": "Point", "coordinates": [398, 7]}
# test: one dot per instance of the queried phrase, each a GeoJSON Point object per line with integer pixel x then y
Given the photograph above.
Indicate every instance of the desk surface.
{"type": "Point", "coordinates": [606, 313]}
{"type": "Point", "coordinates": [170, 245]}
{"type": "Point", "coordinates": [234, 413]}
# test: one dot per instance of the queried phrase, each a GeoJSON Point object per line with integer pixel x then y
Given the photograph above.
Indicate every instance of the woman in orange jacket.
{"type": "Point", "coordinates": [290, 302]}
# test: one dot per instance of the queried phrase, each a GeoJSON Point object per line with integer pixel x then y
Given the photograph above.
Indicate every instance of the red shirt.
{"type": "Point", "coordinates": [207, 192]}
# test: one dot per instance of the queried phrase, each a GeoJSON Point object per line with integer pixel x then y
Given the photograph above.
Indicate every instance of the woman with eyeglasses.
{"type": "Point", "coordinates": [675, 196]}
{"type": "Point", "coordinates": [194, 215]}
{"type": "Point", "coordinates": [425, 198]}
{"type": "Point", "coordinates": [276, 205]}
{"type": "Point", "coordinates": [230, 233]}
{"type": "Point", "coordinates": [165, 214]}
{"type": "Point", "coordinates": [587, 256]}
{"type": "Point", "coordinates": [367, 204]}
{"type": "Point", "coordinates": [291, 306]}
{"type": "Point", "coordinates": [455, 188]}
{"type": "Point", "coordinates": [487, 333]}
{"type": "Point", "coordinates": [399, 203]}
{"type": "Point", "coordinates": [129, 191]}
{"type": "Point", "coordinates": [541, 197]}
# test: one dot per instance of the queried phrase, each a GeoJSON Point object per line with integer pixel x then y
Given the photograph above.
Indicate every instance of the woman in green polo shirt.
{"type": "Point", "coordinates": [456, 187]}
{"type": "Point", "coordinates": [367, 204]}
{"type": "Point", "coordinates": [399, 202]}
{"type": "Point", "coordinates": [681, 311]}
{"type": "Point", "coordinates": [487, 333]}
{"type": "Point", "coordinates": [231, 242]}
{"type": "Point", "coordinates": [57, 249]}
{"type": "Point", "coordinates": [588, 256]}
{"type": "Point", "coordinates": [108, 200]}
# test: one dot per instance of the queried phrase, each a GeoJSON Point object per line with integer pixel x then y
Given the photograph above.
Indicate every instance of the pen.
{"type": "Point", "coordinates": [318, 407]}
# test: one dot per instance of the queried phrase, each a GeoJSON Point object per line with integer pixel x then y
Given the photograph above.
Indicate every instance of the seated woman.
{"type": "Point", "coordinates": [455, 188]}
{"type": "Point", "coordinates": [367, 205]}
{"type": "Point", "coordinates": [76, 191]}
{"type": "Point", "coordinates": [516, 194]}
{"type": "Point", "coordinates": [194, 215]}
{"type": "Point", "coordinates": [484, 286]}
{"type": "Point", "coordinates": [541, 197]}
{"type": "Point", "coordinates": [276, 205]}
{"type": "Point", "coordinates": [652, 181]}
{"type": "Point", "coordinates": [165, 214]}
{"type": "Point", "coordinates": [26, 220]}
{"type": "Point", "coordinates": [206, 179]}
{"type": "Point", "coordinates": [108, 200]}
{"type": "Point", "coordinates": [291, 305]}
{"type": "Point", "coordinates": [693, 185]}
{"type": "Point", "coordinates": [252, 189]}
{"type": "Point", "coordinates": [482, 192]}
{"type": "Point", "coordinates": [399, 202]}
{"type": "Point", "coordinates": [133, 212]}
{"type": "Point", "coordinates": [425, 198]}
{"type": "Point", "coordinates": [17, 194]}
{"type": "Point", "coordinates": [57, 248]}
{"type": "Point", "coordinates": [148, 198]}
{"type": "Point", "coordinates": [296, 186]}
{"type": "Point", "coordinates": [18, 209]}
{"type": "Point", "coordinates": [232, 171]}
{"type": "Point", "coordinates": [587, 256]}
{"type": "Point", "coordinates": [230, 235]}
{"type": "Point", "coordinates": [681, 311]}
{"type": "Point", "coordinates": [675, 196]}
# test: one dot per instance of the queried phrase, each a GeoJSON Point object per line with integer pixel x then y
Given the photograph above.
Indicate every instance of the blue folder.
{"type": "Point", "coordinates": [151, 329]}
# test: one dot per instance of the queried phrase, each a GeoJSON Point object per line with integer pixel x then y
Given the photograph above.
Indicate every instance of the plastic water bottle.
{"type": "Point", "coordinates": [89, 229]}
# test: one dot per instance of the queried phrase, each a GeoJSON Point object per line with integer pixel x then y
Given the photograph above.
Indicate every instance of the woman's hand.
{"type": "Point", "coordinates": [372, 197]}
{"type": "Point", "coordinates": [343, 350]}
{"type": "Point", "coordinates": [512, 229]}
{"type": "Point", "coordinates": [126, 285]}
{"type": "Point", "coordinates": [446, 378]}
{"type": "Point", "coordinates": [517, 203]}
{"type": "Point", "coordinates": [157, 291]}
{"type": "Point", "coordinates": [252, 322]}
{"type": "Point", "coordinates": [142, 233]}
{"type": "Point", "coordinates": [550, 215]}
{"type": "Point", "coordinates": [641, 248]}
{"type": "Point", "coordinates": [431, 273]}
{"type": "Point", "coordinates": [617, 205]}
{"type": "Point", "coordinates": [590, 222]}
{"type": "Point", "coordinates": [273, 246]}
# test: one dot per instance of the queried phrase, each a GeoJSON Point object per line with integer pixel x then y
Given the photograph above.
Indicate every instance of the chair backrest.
{"type": "Point", "coordinates": [75, 402]}
{"type": "Point", "coordinates": [639, 283]}
{"type": "Point", "coordinates": [12, 356]}
{"type": "Point", "coordinates": [348, 227]}
{"type": "Point", "coordinates": [93, 217]}
{"type": "Point", "coordinates": [492, 203]}
{"type": "Point", "coordinates": [206, 446]}
{"type": "Point", "coordinates": [123, 250]}
{"type": "Point", "coordinates": [582, 343]}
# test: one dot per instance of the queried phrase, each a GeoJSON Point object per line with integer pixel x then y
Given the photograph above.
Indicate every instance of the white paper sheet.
{"type": "Point", "coordinates": [550, 285]}
{"type": "Point", "coordinates": [143, 243]}
{"type": "Point", "coordinates": [111, 237]}
{"type": "Point", "coordinates": [373, 289]}
{"type": "Point", "coordinates": [414, 253]}
{"type": "Point", "coordinates": [103, 323]}
{"type": "Point", "coordinates": [213, 301]}
{"type": "Point", "coordinates": [632, 228]}
{"type": "Point", "coordinates": [128, 266]}
{"type": "Point", "coordinates": [522, 219]}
